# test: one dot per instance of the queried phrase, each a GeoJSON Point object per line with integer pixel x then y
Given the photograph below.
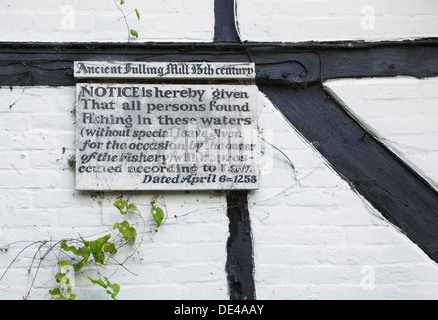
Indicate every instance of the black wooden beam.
{"type": "Point", "coordinates": [225, 24]}
{"type": "Point", "coordinates": [392, 187]}
{"type": "Point", "coordinates": [276, 64]}
{"type": "Point", "coordinates": [240, 264]}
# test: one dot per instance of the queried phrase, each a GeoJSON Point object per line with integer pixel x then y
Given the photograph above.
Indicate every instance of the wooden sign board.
{"type": "Point", "coordinates": [163, 70]}
{"type": "Point", "coordinates": [166, 137]}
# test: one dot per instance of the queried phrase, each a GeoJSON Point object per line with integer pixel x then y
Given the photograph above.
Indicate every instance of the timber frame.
{"type": "Point", "coordinates": [291, 75]}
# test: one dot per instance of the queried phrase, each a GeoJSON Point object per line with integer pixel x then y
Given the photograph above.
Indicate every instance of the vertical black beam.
{"type": "Point", "coordinates": [225, 25]}
{"type": "Point", "coordinates": [240, 262]}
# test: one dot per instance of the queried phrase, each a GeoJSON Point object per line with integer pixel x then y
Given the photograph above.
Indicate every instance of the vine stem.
{"type": "Point", "coordinates": [29, 287]}
{"type": "Point", "coordinates": [16, 257]}
{"type": "Point", "coordinates": [55, 247]}
{"type": "Point", "coordinates": [127, 27]}
{"type": "Point", "coordinates": [165, 207]}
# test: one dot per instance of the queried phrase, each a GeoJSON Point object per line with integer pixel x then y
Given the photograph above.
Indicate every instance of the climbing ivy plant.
{"type": "Point", "coordinates": [131, 32]}
{"type": "Point", "coordinates": [99, 251]}
{"type": "Point", "coordinates": [80, 255]}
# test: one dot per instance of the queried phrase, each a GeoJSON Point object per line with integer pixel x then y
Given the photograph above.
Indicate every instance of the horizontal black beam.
{"type": "Point", "coordinates": [310, 45]}
{"type": "Point", "coordinates": [276, 63]}
{"type": "Point", "coordinates": [392, 187]}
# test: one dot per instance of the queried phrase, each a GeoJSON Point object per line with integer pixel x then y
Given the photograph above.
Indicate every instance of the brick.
{"type": "Point", "coordinates": [300, 275]}
{"type": "Point", "coordinates": [59, 198]}
{"type": "Point", "coordinates": [151, 292]}
{"type": "Point", "coordinates": [100, 21]}
{"type": "Point", "coordinates": [303, 235]}
{"type": "Point", "coordinates": [79, 217]}
{"type": "Point", "coordinates": [371, 235]}
{"type": "Point", "coordinates": [16, 22]}
{"type": "Point", "coordinates": [392, 109]}
{"type": "Point", "coordinates": [169, 253]}
{"type": "Point", "coordinates": [331, 20]}
{"type": "Point", "coordinates": [217, 291]}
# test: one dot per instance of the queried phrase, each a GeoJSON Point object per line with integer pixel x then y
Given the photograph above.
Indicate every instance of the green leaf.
{"type": "Point", "coordinates": [158, 214]}
{"type": "Point", "coordinates": [110, 247]}
{"type": "Point", "coordinates": [114, 286]}
{"type": "Point", "coordinates": [87, 243]}
{"type": "Point", "coordinates": [132, 207]}
{"type": "Point", "coordinates": [137, 13]}
{"type": "Point", "coordinates": [55, 292]}
{"type": "Point", "coordinates": [83, 252]}
{"type": "Point", "coordinates": [121, 204]}
{"type": "Point", "coordinates": [72, 249]}
{"type": "Point", "coordinates": [122, 1]}
{"type": "Point", "coordinates": [134, 33]}
{"type": "Point", "coordinates": [98, 281]}
{"type": "Point", "coordinates": [64, 265]}
{"type": "Point", "coordinates": [59, 276]}
{"type": "Point", "coordinates": [69, 248]}
{"type": "Point", "coordinates": [96, 248]}
{"type": "Point", "coordinates": [79, 266]}
{"type": "Point", "coordinates": [128, 232]}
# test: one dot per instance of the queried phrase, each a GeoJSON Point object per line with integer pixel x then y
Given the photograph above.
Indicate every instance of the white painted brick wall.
{"type": "Point", "coordinates": [318, 239]}
{"type": "Point", "coordinates": [193, 20]}
{"type": "Point", "coordinates": [401, 112]}
{"type": "Point", "coordinates": [101, 20]}
{"type": "Point", "coordinates": [184, 260]}
{"type": "Point", "coordinates": [314, 238]}
{"type": "Point", "coordinates": [335, 20]}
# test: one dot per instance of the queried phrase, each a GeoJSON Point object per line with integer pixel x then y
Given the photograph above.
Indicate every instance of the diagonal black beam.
{"type": "Point", "coordinates": [392, 187]}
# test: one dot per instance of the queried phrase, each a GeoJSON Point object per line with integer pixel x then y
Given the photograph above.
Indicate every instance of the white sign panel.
{"type": "Point", "coordinates": [163, 70]}
{"type": "Point", "coordinates": [166, 137]}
